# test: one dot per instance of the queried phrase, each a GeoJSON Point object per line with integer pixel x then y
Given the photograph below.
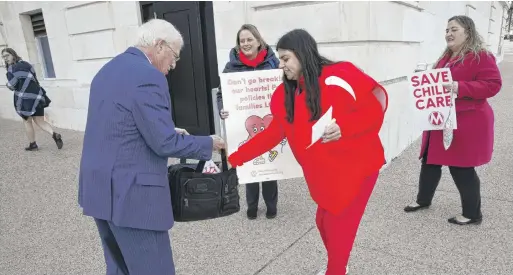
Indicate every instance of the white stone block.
{"type": "Point", "coordinates": [14, 33]}
{"type": "Point", "coordinates": [3, 71]}
{"type": "Point", "coordinates": [84, 71]}
{"type": "Point", "coordinates": [392, 60]}
{"type": "Point", "coordinates": [61, 57]}
{"type": "Point", "coordinates": [228, 18]}
{"type": "Point", "coordinates": [2, 40]}
{"type": "Point", "coordinates": [415, 25]}
{"type": "Point", "coordinates": [222, 58]}
{"type": "Point", "coordinates": [126, 13]}
{"type": "Point", "coordinates": [7, 103]}
{"type": "Point", "coordinates": [5, 11]}
{"type": "Point", "coordinates": [89, 18]}
{"type": "Point", "coordinates": [124, 37]}
{"type": "Point", "coordinates": [62, 97]}
{"type": "Point", "coordinates": [76, 4]}
{"type": "Point", "coordinates": [398, 130]}
{"type": "Point", "coordinates": [55, 23]}
{"type": "Point", "coordinates": [81, 97]}
{"type": "Point", "coordinates": [299, 16]}
{"type": "Point", "coordinates": [387, 25]}
{"type": "Point", "coordinates": [354, 53]}
{"type": "Point", "coordinates": [93, 45]}
{"type": "Point", "coordinates": [67, 118]}
{"type": "Point", "coordinates": [355, 23]}
{"type": "Point", "coordinates": [26, 6]}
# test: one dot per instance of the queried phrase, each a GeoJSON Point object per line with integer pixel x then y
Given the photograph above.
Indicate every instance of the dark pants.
{"type": "Point", "coordinates": [130, 251]}
{"type": "Point", "coordinates": [466, 181]}
{"type": "Point", "coordinates": [269, 192]}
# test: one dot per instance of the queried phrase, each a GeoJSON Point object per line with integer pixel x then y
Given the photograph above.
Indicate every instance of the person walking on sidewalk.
{"type": "Point", "coordinates": [341, 169]}
{"type": "Point", "coordinates": [252, 53]}
{"type": "Point", "coordinates": [30, 99]}
{"type": "Point", "coordinates": [476, 78]}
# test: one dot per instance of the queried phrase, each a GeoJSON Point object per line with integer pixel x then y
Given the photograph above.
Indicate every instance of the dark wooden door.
{"type": "Point", "coordinates": [190, 94]}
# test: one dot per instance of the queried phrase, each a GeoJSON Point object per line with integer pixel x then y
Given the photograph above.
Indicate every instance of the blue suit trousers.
{"type": "Point", "coordinates": [130, 251]}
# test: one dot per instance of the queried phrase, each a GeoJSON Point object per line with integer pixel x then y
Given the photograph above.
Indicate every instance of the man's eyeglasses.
{"type": "Point", "coordinates": [177, 57]}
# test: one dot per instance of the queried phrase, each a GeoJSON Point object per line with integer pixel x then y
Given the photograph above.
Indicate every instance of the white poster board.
{"type": "Point", "coordinates": [434, 105]}
{"type": "Point", "coordinates": [246, 96]}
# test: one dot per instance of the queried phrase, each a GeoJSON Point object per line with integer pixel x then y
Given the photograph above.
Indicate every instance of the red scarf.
{"type": "Point", "coordinates": [255, 61]}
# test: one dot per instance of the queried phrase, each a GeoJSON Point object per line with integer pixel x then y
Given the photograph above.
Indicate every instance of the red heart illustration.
{"type": "Point", "coordinates": [256, 124]}
{"type": "Point", "coordinates": [267, 120]}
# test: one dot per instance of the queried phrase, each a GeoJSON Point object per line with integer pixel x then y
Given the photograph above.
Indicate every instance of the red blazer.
{"type": "Point", "coordinates": [333, 171]}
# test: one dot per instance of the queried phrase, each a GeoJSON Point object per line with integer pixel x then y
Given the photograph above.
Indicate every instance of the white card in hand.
{"type": "Point", "coordinates": [320, 126]}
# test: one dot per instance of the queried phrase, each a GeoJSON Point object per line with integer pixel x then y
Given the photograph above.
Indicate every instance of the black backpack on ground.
{"type": "Point", "coordinates": [197, 196]}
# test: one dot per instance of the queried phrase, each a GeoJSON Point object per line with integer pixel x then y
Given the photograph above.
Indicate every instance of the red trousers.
{"type": "Point", "coordinates": [338, 232]}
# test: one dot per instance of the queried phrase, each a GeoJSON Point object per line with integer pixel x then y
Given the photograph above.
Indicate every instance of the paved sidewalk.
{"type": "Point", "coordinates": [42, 231]}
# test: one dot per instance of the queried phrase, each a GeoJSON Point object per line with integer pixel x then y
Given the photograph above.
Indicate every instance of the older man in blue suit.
{"type": "Point", "coordinates": [128, 139]}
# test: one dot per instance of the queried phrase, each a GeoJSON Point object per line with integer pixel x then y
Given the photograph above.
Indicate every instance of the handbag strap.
{"type": "Point", "coordinates": [201, 163]}
{"type": "Point", "coordinates": [224, 160]}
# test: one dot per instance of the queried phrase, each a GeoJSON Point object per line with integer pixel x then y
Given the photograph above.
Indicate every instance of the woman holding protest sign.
{"type": "Point", "coordinates": [476, 78]}
{"type": "Point", "coordinates": [342, 168]}
{"type": "Point", "coordinates": [249, 54]}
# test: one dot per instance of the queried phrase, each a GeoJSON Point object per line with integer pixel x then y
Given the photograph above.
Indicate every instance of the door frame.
{"type": "Point", "coordinates": [212, 81]}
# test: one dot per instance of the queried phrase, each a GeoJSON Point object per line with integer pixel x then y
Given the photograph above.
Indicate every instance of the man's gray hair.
{"type": "Point", "coordinates": [157, 29]}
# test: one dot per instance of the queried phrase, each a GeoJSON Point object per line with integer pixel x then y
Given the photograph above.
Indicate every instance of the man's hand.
{"type": "Point", "coordinates": [224, 114]}
{"type": "Point", "coordinates": [332, 133]}
{"type": "Point", "coordinates": [181, 131]}
{"type": "Point", "coordinates": [218, 142]}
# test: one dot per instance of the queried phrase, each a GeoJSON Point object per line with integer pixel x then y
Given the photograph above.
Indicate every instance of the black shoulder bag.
{"type": "Point", "coordinates": [197, 196]}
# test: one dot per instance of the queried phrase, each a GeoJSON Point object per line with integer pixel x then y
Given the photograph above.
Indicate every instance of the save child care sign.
{"type": "Point", "coordinates": [433, 104]}
{"type": "Point", "coordinates": [246, 96]}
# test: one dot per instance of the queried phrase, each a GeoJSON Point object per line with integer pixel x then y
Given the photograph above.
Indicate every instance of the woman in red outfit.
{"type": "Point", "coordinates": [476, 78]}
{"type": "Point", "coordinates": [341, 169]}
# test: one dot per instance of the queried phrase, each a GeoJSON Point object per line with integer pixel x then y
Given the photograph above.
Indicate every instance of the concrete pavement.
{"type": "Point", "coordinates": [42, 231]}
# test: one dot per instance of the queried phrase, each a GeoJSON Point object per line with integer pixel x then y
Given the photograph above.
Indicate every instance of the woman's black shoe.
{"type": "Point", "coordinates": [58, 140]}
{"type": "Point", "coordinates": [410, 208]}
{"type": "Point", "coordinates": [32, 147]}
{"type": "Point", "coordinates": [252, 214]}
{"type": "Point", "coordinates": [271, 214]}
{"type": "Point", "coordinates": [461, 220]}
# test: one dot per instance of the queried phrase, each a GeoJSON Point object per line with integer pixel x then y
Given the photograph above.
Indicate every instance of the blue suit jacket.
{"type": "Point", "coordinates": [128, 139]}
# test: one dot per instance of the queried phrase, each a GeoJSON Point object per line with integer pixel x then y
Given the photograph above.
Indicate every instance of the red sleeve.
{"type": "Point", "coordinates": [487, 82]}
{"type": "Point", "coordinates": [364, 113]}
{"type": "Point", "coordinates": [262, 142]}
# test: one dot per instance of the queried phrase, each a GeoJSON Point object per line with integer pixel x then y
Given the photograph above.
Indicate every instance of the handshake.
{"type": "Point", "coordinates": [218, 143]}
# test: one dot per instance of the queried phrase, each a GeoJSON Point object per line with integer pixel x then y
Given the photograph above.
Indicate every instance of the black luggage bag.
{"type": "Point", "coordinates": [197, 196]}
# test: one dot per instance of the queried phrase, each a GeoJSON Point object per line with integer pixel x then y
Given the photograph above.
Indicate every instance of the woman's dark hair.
{"type": "Point", "coordinates": [304, 46]}
{"type": "Point", "coordinates": [13, 53]}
